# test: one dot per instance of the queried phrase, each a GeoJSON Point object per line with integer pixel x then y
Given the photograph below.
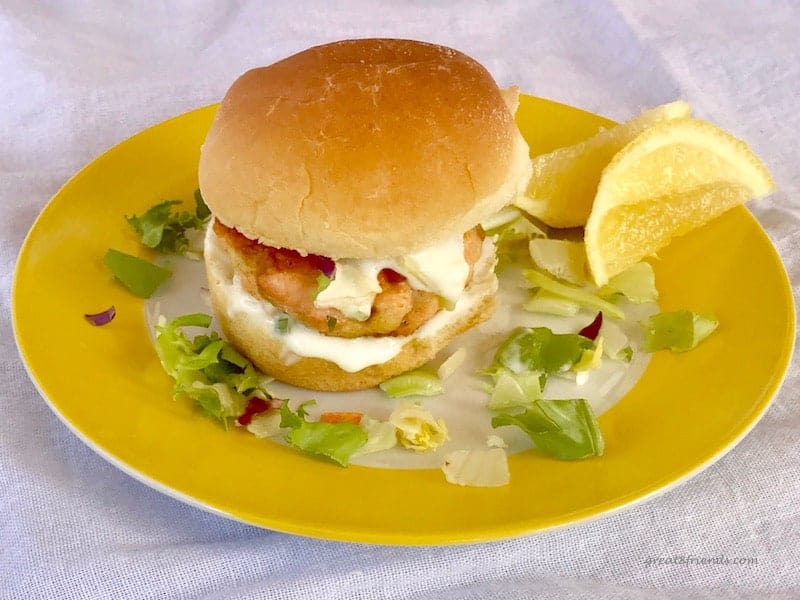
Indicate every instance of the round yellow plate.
{"type": "Point", "coordinates": [107, 385]}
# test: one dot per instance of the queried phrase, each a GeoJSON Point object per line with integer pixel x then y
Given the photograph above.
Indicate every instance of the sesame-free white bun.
{"type": "Point", "coordinates": [249, 323]}
{"type": "Point", "coordinates": [362, 149]}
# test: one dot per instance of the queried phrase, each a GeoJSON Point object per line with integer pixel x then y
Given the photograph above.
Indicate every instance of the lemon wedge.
{"type": "Point", "coordinates": [564, 181]}
{"type": "Point", "coordinates": [676, 176]}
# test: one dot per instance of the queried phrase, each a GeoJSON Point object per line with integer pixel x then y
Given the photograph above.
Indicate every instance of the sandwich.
{"type": "Point", "coordinates": [347, 185]}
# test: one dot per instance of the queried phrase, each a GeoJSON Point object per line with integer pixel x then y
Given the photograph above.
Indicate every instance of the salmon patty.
{"type": "Point", "coordinates": [288, 280]}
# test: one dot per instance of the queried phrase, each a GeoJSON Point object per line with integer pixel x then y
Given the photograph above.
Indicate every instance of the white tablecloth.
{"type": "Point", "coordinates": [77, 77]}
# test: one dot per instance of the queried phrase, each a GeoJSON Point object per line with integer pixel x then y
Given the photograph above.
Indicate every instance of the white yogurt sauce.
{"type": "Point", "coordinates": [440, 269]}
{"type": "Point", "coordinates": [355, 354]}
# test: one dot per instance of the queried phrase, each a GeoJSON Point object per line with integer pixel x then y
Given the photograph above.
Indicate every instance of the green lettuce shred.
{"type": "Point", "coordinates": [201, 210]}
{"type": "Point", "coordinates": [381, 435]}
{"type": "Point", "coordinates": [564, 429]}
{"type": "Point", "coordinates": [139, 276]}
{"type": "Point", "coordinates": [335, 441]}
{"type": "Point", "coordinates": [637, 284]}
{"type": "Point", "coordinates": [551, 304]}
{"type": "Point", "coordinates": [207, 369]}
{"type": "Point", "coordinates": [164, 230]}
{"type": "Point", "coordinates": [511, 241]}
{"type": "Point", "coordinates": [539, 350]}
{"type": "Point", "coordinates": [514, 390]}
{"type": "Point", "coordinates": [616, 344]}
{"type": "Point", "coordinates": [420, 382]}
{"type": "Point", "coordinates": [577, 294]}
{"type": "Point", "coordinates": [678, 331]}
{"type": "Point", "coordinates": [563, 259]}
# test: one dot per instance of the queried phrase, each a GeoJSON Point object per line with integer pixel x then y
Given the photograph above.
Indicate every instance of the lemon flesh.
{"type": "Point", "coordinates": [564, 181]}
{"type": "Point", "coordinates": [674, 177]}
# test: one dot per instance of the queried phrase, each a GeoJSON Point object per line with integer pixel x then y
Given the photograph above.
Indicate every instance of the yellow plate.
{"type": "Point", "coordinates": [106, 383]}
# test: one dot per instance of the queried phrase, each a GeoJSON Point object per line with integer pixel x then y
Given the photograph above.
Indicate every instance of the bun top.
{"type": "Point", "coordinates": [362, 149]}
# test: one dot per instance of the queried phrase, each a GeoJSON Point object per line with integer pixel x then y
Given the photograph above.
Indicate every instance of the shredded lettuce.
{"type": "Point", "coordinates": [513, 390]}
{"type": "Point", "coordinates": [381, 435]}
{"type": "Point", "coordinates": [334, 441]}
{"type": "Point", "coordinates": [266, 424]}
{"type": "Point", "coordinates": [139, 276]}
{"type": "Point", "coordinates": [511, 240]}
{"type": "Point", "coordinates": [165, 231]}
{"type": "Point", "coordinates": [417, 429]}
{"type": "Point", "coordinates": [592, 358]}
{"type": "Point", "coordinates": [201, 210]}
{"type": "Point", "coordinates": [679, 331]}
{"type": "Point", "coordinates": [570, 292]}
{"type": "Point", "coordinates": [562, 259]}
{"type": "Point", "coordinates": [477, 468]}
{"type": "Point", "coordinates": [615, 343]}
{"type": "Point", "coordinates": [637, 284]}
{"type": "Point", "coordinates": [420, 382]}
{"type": "Point", "coordinates": [540, 350]}
{"type": "Point", "coordinates": [452, 363]}
{"type": "Point", "coordinates": [564, 429]}
{"type": "Point", "coordinates": [551, 304]}
{"type": "Point", "coordinates": [207, 369]}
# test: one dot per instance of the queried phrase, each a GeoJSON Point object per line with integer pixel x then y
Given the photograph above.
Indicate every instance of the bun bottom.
{"type": "Point", "coordinates": [258, 342]}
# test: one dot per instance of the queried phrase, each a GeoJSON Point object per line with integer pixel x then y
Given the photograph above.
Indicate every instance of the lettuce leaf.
{"type": "Point", "coordinates": [591, 359]}
{"type": "Point", "coordinates": [334, 441]}
{"type": "Point", "coordinates": [551, 304]}
{"type": "Point", "coordinates": [201, 210]}
{"type": "Point", "coordinates": [679, 331]}
{"type": "Point", "coordinates": [514, 390]}
{"type": "Point", "coordinates": [477, 468]}
{"type": "Point", "coordinates": [580, 295]}
{"type": "Point", "coordinates": [381, 435]}
{"type": "Point", "coordinates": [139, 276]}
{"type": "Point", "coordinates": [452, 363]}
{"type": "Point", "coordinates": [420, 382]}
{"type": "Point", "coordinates": [563, 259]}
{"type": "Point", "coordinates": [637, 284]}
{"type": "Point", "coordinates": [564, 429]}
{"type": "Point", "coordinates": [540, 350]}
{"type": "Point", "coordinates": [616, 344]}
{"type": "Point", "coordinates": [266, 424]}
{"type": "Point", "coordinates": [207, 369]}
{"type": "Point", "coordinates": [417, 428]}
{"type": "Point", "coordinates": [161, 229]}
{"type": "Point", "coordinates": [511, 240]}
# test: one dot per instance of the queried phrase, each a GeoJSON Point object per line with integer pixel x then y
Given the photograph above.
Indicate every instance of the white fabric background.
{"type": "Point", "coordinates": [76, 78]}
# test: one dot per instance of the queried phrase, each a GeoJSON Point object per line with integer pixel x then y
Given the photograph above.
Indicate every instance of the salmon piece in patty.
{"type": "Point", "coordinates": [288, 281]}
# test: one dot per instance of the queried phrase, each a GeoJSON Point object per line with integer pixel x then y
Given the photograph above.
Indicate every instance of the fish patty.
{"type": "Point", "coordinates": [288, 280]}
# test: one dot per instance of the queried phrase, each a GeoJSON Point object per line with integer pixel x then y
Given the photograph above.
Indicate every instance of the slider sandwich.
{"type": "Point", "coordinates": [347, 184]}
